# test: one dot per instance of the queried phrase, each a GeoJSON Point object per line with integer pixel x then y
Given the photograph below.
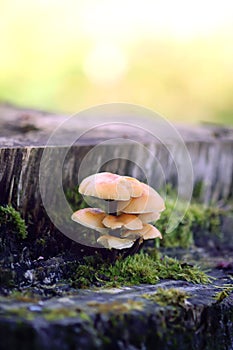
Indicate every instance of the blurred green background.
{"type": "Point", "coordinates": [175, 57]}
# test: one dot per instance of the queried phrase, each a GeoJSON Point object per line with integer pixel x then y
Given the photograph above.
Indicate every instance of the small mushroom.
{"type": "Point", "coordinates": [110, 242]}
{"type": "Point", "coordinates": [136, 188]}
{"type": "Point", "coordinates": [128, 221]}
{"type": "Point", "coordinates": [110, 187]}
{"type": "Point", "coordinates": [149, 201]}
{"type": "Point", "coordinates": [90, 217]}
{"type": "Point", "coordinates": [149, 217]}
{"type": "Point", "coordinates": [147, 232]}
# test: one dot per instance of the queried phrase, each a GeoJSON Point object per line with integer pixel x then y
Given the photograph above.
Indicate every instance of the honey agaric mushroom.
{"type": "Point", "coordinates": [149, 201]}
{"type": "Point", "coordinates": [90, 217]}
{"type": "Point", "coordinates": [110, 187]}
{"type": "Point", "coordinates": [110, 242]}
{"type": "Point", "coordinates": [136, 188]}
{"type": "Point", "coordinates": [149, 217]}
{"type": "Point", "coordinates": [147, 232]}
{"type": "Point", "coordinates": [128, 221]}
{"type": "Point", "coordinates": [134, 203]}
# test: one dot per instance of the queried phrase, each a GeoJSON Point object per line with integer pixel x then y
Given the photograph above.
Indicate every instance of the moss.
{"type": "Point", "coordinates": [220, 296]}
{"type": "Point", "coordinates": [24, 296]}
{"type": "Point", "coordinates": [197, 218]}
{"type": "Point", "coordinates": [117, 306]}
{"type": "Point", "coordinates": [134, 270]}
{"type": "Point", "coordinates": [22, 312]}
{"type": "Point", "coordinates": [198, 190]}
{"type": "Point", "coordinates": [61, 313]}
{"type": "Point", "coordinates": [6, 277]}
{"type": "Point", "coordinates": [170, 296]}
{"type": "Point", "coordinates": [58, 314]}
{"type": "Point", "coordinates": [75, 199]}
{"type": "Point", "coordinates": [11, 219]}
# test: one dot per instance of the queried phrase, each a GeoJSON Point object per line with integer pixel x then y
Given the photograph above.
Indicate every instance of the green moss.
{"type": "Point", "coordinates": [22, 312]}
{"type": "Point", "coordinates": [24, 296]}
{"type": "Point", "coordinates": [197, 218]}
{"type": "Point", "coordinates": [220, 296]}
{"type": "Point", "coordinates": [75, 199]}
{"type": "Point", "coordinates": [11, 219]}
{"type": "Point", "coordinates": [134, 270]}
{"type": "Point", "coordinates": [60, 313]}
{"type": "Point", "coordinates": [117, 306]}
{"type": "Point", "coordinates": [6, 277]}
{"type": "Point", "coordinates": [198, 189]}
{"type": "Point", "coordinates": [170, 296]}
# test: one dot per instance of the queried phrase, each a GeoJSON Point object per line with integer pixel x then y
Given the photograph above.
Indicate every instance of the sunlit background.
{"type": "Point", "coordinates": [175, 57]}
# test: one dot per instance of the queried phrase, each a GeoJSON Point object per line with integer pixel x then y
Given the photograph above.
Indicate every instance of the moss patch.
{"type": "Point", "coordinates": [117, 306]}
{"type": "Point", "coordinates": [75, 199]}
{"type": "Point", "coordinates": [197, 218]}
{"type": "Point", "coordinates": [172, 296]}
{"type": "Point", "coordinates": [220, 296]}
{"type": "Point", "coordinates": [134, 270]}
{"type": "Point", "coordinates": [60, 313]}
{"type": "Point", "coordinates": [11, 220]}
{"type": "Point", "coordinates": [6, 277]}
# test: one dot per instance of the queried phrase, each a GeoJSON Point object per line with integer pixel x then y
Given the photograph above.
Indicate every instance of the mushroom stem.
{"type": "Point", "coordinates": [137, 246]}
{"type": "Point", "coordinates": [112, 207]}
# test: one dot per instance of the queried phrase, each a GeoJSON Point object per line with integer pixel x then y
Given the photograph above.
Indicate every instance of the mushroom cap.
{"type": "Point", "coordinates": [128, 221]}
{"type": "Point", "coordinates": [110, 186]}
{"type": "Point", "coordinates": [149, 217]}
{"type": "Point", "coordinates": [147, 232]}
{"type": "Point", "coordinates": [149, 201]}
{"type": "Point", "coordinates": [110, 242]}
{"type": "Point", "coordinates": [90, 217]}
{"type": "Point", "coordinates": [136, 188]}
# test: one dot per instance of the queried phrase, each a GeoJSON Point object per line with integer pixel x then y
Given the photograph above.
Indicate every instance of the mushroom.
{"type": "Point", "coordinates": [147, 232]}
{"type": "Point", "coordinates": [90, 217]}
{"type": "Point", "coordinates": [110, 186]}
{"type": "Point", "coordinates": [128, 221]}
{"type": "Point", "coordinates": [149, 201]}
{"type": "Point", "coordinates": [134, 203]}
{"type": "Point", "coordinates": [149, 217]}
{"type": "Point", "coordinates": [135, 186]}
{"type": "Point", "coordinates": [110, 242]}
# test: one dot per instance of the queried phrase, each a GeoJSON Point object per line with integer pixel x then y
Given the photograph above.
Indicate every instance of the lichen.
{"type": "Point", "coordinates": [171, 296]}
{"type": "Point", "coordinates": [134, 270]}
{"type": "Point", "coordinates": [11, 219]}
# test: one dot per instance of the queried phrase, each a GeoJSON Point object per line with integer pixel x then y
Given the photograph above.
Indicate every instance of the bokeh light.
{"type": "Point", "coordinates": [175, 57]}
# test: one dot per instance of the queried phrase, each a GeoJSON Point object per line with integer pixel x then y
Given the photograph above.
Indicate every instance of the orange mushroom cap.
{"type": "Point", "coordinates": [149, 201]}
{"type": "Point", "coordinates": [147, 232]}
{"type": "Point", "coordinates": [90, 217]}
{"type": "Point", "coordinates": [110, 186]}
{"type": "Point", "coordinates": [128, 221]}
{"type": "Point", "coordinates": [149, 217]}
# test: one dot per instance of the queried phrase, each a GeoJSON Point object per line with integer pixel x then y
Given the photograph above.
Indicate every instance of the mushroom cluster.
{"type": "Point", "coordinates": [131, 206]}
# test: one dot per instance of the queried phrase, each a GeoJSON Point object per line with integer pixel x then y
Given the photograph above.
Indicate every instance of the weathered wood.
{"type": "Point", "coordinates": [23, 137]}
